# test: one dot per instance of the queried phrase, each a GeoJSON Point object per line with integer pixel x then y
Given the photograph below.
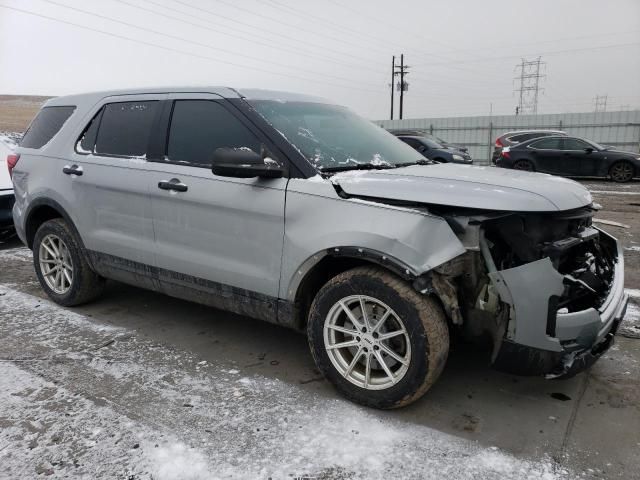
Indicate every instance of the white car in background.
{"type": "Point", "coordinates": [6, 189]}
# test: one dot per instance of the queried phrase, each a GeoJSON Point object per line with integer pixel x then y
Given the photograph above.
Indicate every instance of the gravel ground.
{"type": "Point", "coordinates": [141, 386]}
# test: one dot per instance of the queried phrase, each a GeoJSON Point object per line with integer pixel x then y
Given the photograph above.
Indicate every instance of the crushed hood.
{"type": "Point", "coordinates": [488, 188]}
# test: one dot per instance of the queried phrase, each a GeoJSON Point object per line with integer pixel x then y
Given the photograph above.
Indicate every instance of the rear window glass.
{"type": "Point", "coordinates": [44, 127]}
{"type": "Point", "coordinates": [125, 128]}
{"type": "Point", "coordinates": [199, 127]}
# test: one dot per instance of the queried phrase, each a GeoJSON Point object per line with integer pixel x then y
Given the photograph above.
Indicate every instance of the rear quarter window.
{"type": "Point", "coordinates": [45, 126]}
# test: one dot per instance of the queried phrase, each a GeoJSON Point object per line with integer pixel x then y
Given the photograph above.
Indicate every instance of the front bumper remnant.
{"type": "Point", "coordinates": [541, 341]}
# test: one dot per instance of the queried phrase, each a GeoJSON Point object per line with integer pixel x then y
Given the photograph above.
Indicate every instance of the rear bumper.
{"type": "Point", "coordinates": [7, 199]}
{"type": "Point", "coordinates": [559, 345]}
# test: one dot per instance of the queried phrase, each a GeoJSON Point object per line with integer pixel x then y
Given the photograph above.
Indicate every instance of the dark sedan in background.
{"type": "Point", "coordinates": [436, 151]}
{"type": "Point", "coordinates": [425, 134]}
{"type": "Point", "coordinates": [518, 136]}
{"type": "Point", "coordinates": [571, 157]}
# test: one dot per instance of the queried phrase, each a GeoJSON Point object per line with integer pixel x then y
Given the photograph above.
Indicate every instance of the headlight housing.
{"type": "Point", "coordinates": [459, 158]}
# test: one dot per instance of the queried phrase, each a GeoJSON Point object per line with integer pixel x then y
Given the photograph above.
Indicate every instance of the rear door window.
{"type": "Point", "coordinates": [199, 127]}
{"type": "Point", "coordinates": [45, 126]}
{"type": "Point", "coordinates": [125, 128]}
{"type": "Point", "coordinates": [547, 144]}
{"type": "Point", "coordinates": [575, 144]}
{"type": "Point", "coordinates": [412, 142]}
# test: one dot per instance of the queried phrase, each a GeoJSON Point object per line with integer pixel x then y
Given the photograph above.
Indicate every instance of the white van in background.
{"type": "Point", "coordinates": [6, 188]}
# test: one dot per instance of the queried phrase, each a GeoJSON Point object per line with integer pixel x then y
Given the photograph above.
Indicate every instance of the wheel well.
{"type": "Point", "coordinates": [36, 218]}
{"type": "Point", "coordinates": [624, 160]}
{"type": "Point", "coordinates": [321, 273]}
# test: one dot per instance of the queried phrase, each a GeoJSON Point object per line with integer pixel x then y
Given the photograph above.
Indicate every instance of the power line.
{"type": "Point", "coordinates": [235, 35]}
{"type": "Point", "coordinates": [193, 42]}
{"type": "Point", "coordinates": [554, 52]}
{"type": "Point", "coordinates": [182, 52]}
{"type": "Point", "coordinates": [342, 28]}
{"type": "Point", "coordinates": [253, 29]}
{"type": "Point", "coordinates": [271, 19]}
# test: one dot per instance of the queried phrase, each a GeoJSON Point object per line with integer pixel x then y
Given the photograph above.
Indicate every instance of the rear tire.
{"type": "Point", "coordinates": [414, 351]}
{"type": "Point", "coordinates": [622, 172]}
{"type": "Point", "coordinates": [61, 265]}
{"type": "Point", "coordinates": [524, 165]}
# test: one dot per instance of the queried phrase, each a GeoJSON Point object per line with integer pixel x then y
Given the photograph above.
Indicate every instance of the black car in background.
{"type": "Point", "coordinates": [571, 157]}
{"type": "Point", "coordinates": [436, 151]}
{"type": "Point", "coordinates": [425, 134]}
{"type": "Point", "coordinates": [513, 138]}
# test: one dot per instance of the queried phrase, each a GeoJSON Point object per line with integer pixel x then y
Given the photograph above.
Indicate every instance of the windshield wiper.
{"type": "Point", "coordinates": [358, 166]}
{"type": "Point", "coordinates": [421, 161]}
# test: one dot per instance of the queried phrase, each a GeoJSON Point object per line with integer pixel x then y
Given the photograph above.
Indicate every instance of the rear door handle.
{"type": "Point", "coordinates": [72, 170]}
{"type": "Point", "coordinates": [173, 184]}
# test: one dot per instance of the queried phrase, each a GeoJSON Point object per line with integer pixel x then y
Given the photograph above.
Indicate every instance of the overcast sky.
{"type": "Point", "coordinates": [462, 53]}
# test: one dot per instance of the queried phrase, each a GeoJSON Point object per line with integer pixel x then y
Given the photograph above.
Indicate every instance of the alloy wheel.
{"type": "Point", "coordinates": [523, 165]}
{"type": "Point", "coordinates": [622, 172]}
{"type": "Point", "coordinates": [367, 342]}
{"type": "Point", "coordinates": [56, 265]}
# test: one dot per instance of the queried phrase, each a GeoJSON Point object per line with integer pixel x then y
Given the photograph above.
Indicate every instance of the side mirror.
{"type": "Point", "coordinates": [588, 150]}
{"type": "Point", "coordinates": [243, 163]}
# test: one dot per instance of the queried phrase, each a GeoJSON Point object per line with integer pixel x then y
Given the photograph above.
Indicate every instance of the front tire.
{"type": "Point", "coordinates": [61, 265]}
{"type": "Point", "coordinates": [376, 339]}
{"type": "Point", "coordinates": [621, 172]}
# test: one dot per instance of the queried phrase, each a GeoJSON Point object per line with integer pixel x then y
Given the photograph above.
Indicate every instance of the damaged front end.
{"type": "Point", "coordinates": [546, 288]}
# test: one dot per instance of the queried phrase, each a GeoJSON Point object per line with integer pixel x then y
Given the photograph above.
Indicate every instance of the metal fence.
{"type": "Point", "coordinates": [617, 129]}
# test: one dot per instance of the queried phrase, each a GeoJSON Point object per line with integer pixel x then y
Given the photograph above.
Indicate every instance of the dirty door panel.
{"type": "Point", "coordinates": [221, 236]}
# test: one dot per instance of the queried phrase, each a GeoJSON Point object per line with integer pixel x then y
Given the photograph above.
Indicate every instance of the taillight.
{"type": "Point", "coordinates": [505, 153]}
{"type": "Point", "coordinates": [498, 143]}
{"type": "Point", "coordinates": [12, 161]}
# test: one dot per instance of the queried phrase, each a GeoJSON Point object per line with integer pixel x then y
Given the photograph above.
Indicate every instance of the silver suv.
{"type": "Point", "coordinates": [296, 211]}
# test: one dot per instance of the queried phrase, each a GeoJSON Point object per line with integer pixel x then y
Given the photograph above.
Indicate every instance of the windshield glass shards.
{"type": "Point", "coordinates": [333, 138]}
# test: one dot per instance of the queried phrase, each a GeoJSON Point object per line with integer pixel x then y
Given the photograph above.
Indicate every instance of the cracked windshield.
{"type": "Point", "coordinates": [334, 138]}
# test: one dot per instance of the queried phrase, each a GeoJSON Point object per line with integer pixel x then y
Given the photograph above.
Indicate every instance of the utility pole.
{"type": "Point", "coordinates": [529, 85]}
{"type": "Point", "coordinates": [601, 103]}
{"type": "Point", "coordinates": [393, 74]}
{"type": "Point", "coordinates": [403, 86]}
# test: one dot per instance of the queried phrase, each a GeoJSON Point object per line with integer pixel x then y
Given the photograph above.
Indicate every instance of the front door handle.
{"type": "Point", "coordinates": [72, 170]}
{"type": "Point", "coordinates": [173, 184]}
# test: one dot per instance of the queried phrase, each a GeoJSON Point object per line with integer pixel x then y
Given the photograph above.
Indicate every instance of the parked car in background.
{"type": "Point", "coordinates": [513, 138]}
{"type": "Point", "coordinates": [296, 211]}
{"type": "Point", "coordinates": [435, 151]}
{"type": "Point", "coordinates": [571, 157]}
{"type": "Point", "coordinates": [425, 134]}
{"type": "Point", "coordinates": [6, 189]}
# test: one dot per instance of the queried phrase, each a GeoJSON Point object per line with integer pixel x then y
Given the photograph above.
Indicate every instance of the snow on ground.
{"type": "Point", "coordinates": [631, 323]}
{"type": "Point", "coordinates": [19, 254]}
{"type": "Point", "coordinates": [80, 397]}
{"type": "Point", "coordinates": [10, 139]}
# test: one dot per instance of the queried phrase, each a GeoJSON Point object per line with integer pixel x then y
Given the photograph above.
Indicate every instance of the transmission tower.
{"type": "Point", "coordinates": [528, 85]}
{"type": "Point", "coordinates": [600, 103]}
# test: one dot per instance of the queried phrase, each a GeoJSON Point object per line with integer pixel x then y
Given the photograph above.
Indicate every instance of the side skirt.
{"type": "Point", "coordinates": [195, 289]}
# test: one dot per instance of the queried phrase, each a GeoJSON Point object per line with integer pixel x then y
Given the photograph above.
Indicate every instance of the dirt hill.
{"type": "Point", "coordinates": [16, 111]}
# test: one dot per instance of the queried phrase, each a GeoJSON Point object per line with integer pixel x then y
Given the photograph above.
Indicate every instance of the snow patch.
{"type": "Point", "coordinates": [22, 254]}
{"type": "Point", "coordinates": [633, 292]}
{"type": "Point", "coordinates": [177, 461]}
